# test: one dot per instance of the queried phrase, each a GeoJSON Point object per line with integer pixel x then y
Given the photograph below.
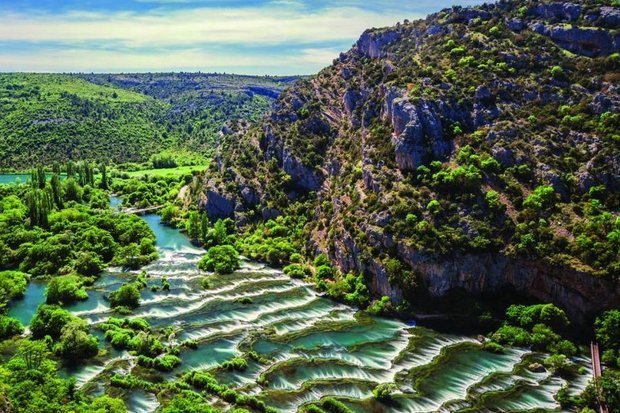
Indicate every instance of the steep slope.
{"type": "Point", "coordinates": [477, 149]}
{"type": "Point", "coordinates": [47, 118]}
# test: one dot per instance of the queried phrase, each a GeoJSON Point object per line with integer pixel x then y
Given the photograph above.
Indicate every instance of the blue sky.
{"type": "Point", "coordinates": [235, 36]}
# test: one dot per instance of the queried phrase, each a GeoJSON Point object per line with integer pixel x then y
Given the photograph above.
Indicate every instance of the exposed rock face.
{"type": "Point", "coordinates": [418, 131]}
{"type": "Point", "coordinates": [371, 43]}
{"type": "Point", "coordinates": [559, 11]}
{"type": "Point", "coordinates": [589, 42]}
{"type": "Point", "coordinates": [490, 273]}
{"type": "Point", "coordinates": [305, 177]}
{"type": "Point", "coordinates": [217, 205]}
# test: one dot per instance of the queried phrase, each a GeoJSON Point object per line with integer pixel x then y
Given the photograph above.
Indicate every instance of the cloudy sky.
{"type": "Point", "coordinates": [234, 36]}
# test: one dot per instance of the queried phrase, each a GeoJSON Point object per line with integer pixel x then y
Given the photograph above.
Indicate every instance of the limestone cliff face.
{"type": "Point", "coordinates": [580, 294]}
{"type": "Point", "coordinates": [375, 138]}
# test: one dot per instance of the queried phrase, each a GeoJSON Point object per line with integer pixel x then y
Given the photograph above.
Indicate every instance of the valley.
{"type": "Point", "coordinates": [430, 223]}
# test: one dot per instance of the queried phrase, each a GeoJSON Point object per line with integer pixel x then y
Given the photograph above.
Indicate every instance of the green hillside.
{"type": "Point", "coordinates": [49, 117]}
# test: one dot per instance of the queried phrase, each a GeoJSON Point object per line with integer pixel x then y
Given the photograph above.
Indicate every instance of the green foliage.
{"type": "Point", "coordinates": [236, 363]}
{"type": "Point", "coordinates": [537, 326]}
{"type": "Point", "coordinates": [76, 343]}
{"type": "Point", "coordinates": [31, 383]}
{"type": "Point", "coordinates": [167, 362]}
{"type": "Point", "coordinates": [49, 320]}
{"type": "Point", "coordinates": [9, 327]}
{"type": "Point", "coordinates": [384, 391]}
{"type": "Point", "coordinates": [607, 329]}
{"type": "Point", "coordinates": [297, 271]}
{"type": "Point", "coordinates": [100, 119]}
{"type": "Point", "coordinates": [273, 241]}
{"type": "Point", "coordinates": [335, 406]}
{"type": "Point", "coordinates": [222, 259]}
{"type": "Point", "coordinates": [13, 285]}
{"type": "Point", "coordinates": [189, 402]}
{"type": "Point", "coordinates": [65, 289]}
{"type": "Point", "coordinates": [382, 306]}
{"type": "Point", "coordinates": [127, 295]}
{"type": "Point", "coordinates": [542, 197]}
{"type": "Point", "coordinates": [606, 389]}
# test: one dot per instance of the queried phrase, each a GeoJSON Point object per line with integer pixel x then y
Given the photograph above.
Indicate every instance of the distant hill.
{"type": "Point", "coordinates": [122, 117]}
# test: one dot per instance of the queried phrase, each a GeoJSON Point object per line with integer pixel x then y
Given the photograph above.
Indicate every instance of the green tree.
{"type": "Point", "coordinates": [65, 289]}
{"type": "Point", "coordinates": [223, 259]}
{"type": "Point", "coordinates": [76, 343]}
{"type": "Point", "coordinates": [128, 295]}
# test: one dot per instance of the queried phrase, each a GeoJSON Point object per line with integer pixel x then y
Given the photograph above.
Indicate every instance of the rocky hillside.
{"type": "Point", "coordinates": [476, 150]}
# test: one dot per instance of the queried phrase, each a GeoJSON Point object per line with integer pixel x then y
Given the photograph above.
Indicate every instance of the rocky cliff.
{"type": "Point", "coordinates": [476, 149]}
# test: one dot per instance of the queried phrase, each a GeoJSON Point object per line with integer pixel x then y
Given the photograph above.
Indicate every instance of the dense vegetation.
{"type": "Point", "coordinates": [471, 134]}
{"type": "Point", "coordinates": [50, 118]}
{"type": "Point", "coordinates": [472, 142]}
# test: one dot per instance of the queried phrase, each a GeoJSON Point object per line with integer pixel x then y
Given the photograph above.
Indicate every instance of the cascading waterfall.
{"type": "Point", "coordinates": [314, 347]}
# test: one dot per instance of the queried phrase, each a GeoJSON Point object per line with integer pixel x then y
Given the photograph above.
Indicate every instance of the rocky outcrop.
{"type": "Point", "coordinates": [585, 41]}
{"type": "Point", "coordinates": [418, 130]}
{"type": "Point", "coordinates": [305, 177]}
{"type": "Point", "coordinates": [264, 91]}
{"type": "Point", "coordinates": [562, 11]}
{"type": "Point", "coordinates": [217, 205]}
{"type": "Point", "coordinates": [571, 289]}
{"type": "Point", "coordinates": [371, 43]}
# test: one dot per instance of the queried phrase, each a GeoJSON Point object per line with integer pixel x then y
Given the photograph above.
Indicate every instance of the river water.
{"type": "Point", "coordinates": [316, 347]}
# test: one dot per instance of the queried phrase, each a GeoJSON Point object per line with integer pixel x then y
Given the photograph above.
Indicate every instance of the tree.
{"type": "Point", "coordinates": [128, 295]}
{"type": "Point", "coordinates": [193, 225]}
{"type": "Point", "coordinates": [104, 176]}
{"type": "Point", "coordinates": [88, 263]}
{"type": "Point", "coordinates": [33, 353]}
{"type": "Point", "coordinates": [223, 259]}
{"type": "Point", "coordinates": [65, 289]}
{"type": "Point", "coordinates": [9, 327]}
{"type": "Point", "coordinates": [49, 320]}
{"type": "Point", "coordinates": [607, 328]}
{"type": "Point", "coordinates": [12, 285]}
{"type": "Point", "coordinates": [76, 343]}
{"type": "Point", "coordinates": [57, 191]}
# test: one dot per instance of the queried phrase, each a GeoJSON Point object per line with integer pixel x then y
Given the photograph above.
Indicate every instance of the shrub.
{"type": "Point", "coordinates": [12, 285]}
{"type": "Point", "coordinates": [382, 306]}
{"type": "Point", "coordinates": [128, 296]}
{"type": "Point", "coordinates": [65, 289]}
{"type": "Point", "coordinates": [384, 391]}
{"type": "Point", "coordinates": [222, 259]}
{"type": "Point", "coordinates": [88, 263]}
{"type": "Point", "coordinates": [325, 272]}
{"type": "Point", "coordinates": [76, 343]}
{"type": "Point", "coordinates": [607, 328]}
{"type": "Point", "coordinates": [295, 271]}
{"type": "Point", "coordinates": [321, 259]}
{"type": "Point", "coordinates": [558, 363]}
{"type": "Point", "coordinates": [236, 363]}
{"type": "Point", "coordinates": [49, 320]}
{"type": "Point", "coordinates": [9, 327]}
{"type": "Point", "coordinates": [557, 72]}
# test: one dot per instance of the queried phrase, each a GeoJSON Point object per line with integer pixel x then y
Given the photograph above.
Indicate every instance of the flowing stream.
{"type": "Point", "coordinates": [315, 347]}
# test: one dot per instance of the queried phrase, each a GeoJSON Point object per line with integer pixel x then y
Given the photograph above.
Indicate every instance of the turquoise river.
{"type": "Point", "coordinates": [316, 347]}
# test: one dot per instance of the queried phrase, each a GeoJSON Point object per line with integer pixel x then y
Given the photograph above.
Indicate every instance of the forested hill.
{"type": "Point", "coordinates": [119, 118]}
{"type": "Point", "coordinates": [477, 149]}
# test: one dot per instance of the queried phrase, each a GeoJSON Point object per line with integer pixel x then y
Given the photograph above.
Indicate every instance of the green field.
{"type": "Point", "coordinates": [180, 170]}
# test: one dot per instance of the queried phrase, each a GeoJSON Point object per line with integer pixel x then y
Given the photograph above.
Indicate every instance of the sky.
{"type": "Point", "coordinates": [277, 37]}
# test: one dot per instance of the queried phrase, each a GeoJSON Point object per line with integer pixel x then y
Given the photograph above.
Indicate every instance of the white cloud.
{"type": "Point", "coordinates": [82, 60]}
{"type": "Point", "coordinates": [282, 37]}
{"type": "Point", "coordinates": [266, 26]}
